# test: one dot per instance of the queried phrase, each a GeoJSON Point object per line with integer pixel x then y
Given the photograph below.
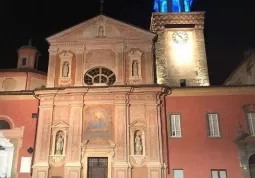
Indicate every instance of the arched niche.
{"type": "Point", "coordinates": [59, 142]}
{"type": "Point", "coordinates": [66, 59]}
{"type": "Point", "coordinates": [138, 135]}
{"type": "Point", "coordinates": [135, 66]}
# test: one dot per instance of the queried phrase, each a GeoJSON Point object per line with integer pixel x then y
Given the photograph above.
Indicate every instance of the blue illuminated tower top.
{"type": "Point", "coordinates": [172, 5]}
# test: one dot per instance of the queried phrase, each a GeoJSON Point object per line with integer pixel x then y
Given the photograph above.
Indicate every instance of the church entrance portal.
{"type": "Point", "coordinates": [97, 167]}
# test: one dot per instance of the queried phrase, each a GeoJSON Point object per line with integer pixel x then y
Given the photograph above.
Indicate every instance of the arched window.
{"type": "Point", "coordinates": [4, 125]}
{"type": "Point", "coordinates": [24, 61]}
{"type": "Point", "coordinates": [99, 75]}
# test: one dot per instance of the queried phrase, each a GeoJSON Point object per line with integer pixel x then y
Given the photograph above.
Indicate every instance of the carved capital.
{"type": "Point", "coordinates": [80, 50]}
{"type": "Point", "coordinates": [120, 48]}
{"type": "Point", "coordinates": [53, 50]}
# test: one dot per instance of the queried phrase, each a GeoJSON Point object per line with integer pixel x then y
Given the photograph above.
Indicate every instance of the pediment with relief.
{"type": "Point", "coordinates": [60, 124]}
{"type": "Point", "coordinates": [101, 27]}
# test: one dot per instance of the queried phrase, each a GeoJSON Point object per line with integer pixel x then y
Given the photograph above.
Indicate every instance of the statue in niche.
{"type": "Point", "coordinates": [65, 69]}
{"type": "Point", "coordinates": [59, 145]}
{"type": "Point", "coordinates": [135, 68]}
{"type": "Point", "coordinates": [101, 31]}
{"type": "Point", "coordinates": [138, 143]}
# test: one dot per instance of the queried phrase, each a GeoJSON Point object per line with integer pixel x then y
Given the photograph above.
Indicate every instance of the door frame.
{"type": "Point", "coordinates": [98, 158]}
{"type": "Point", "coordinates": [95, 153]}
{"type": "Point", "coordinates": [97, 148]}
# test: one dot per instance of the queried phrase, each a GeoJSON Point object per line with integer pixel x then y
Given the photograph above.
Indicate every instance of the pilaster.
{"type": "Point", "coordinates": [120, 71]}
{"type": "Point", "coordinates": [153, 133]}
{"type": "Point", "coordinates": [121, 165]}
{"type": "Point", "coordinates": [73, 163]}
{"type": "Point", "coordinates": [42, 151]}
{"type": "Point", "coordinates": [79, 67]}
{"type": "Point", "coordinates": [51, 67]}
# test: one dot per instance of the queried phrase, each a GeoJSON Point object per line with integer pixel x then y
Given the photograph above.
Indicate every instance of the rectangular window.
{"type": "Point", "coordinates": [178, 173]}
{"type": "Point", "coordinates": [175, 123]}
{"type": "Point", "coordinates": [251, 123]}
{"type": "Point", "coordinates": [213, 125]}
{"type": "Point", "coordinates": [218, 174]}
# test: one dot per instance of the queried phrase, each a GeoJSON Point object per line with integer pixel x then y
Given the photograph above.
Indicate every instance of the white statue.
{"type": "Point", "coordinates": [65, 69]}
{"type": "Point", "coordinates": [138, 144]}
{"type": "Point", "coordinates": [59, 145]}
{"type": "Point", "coordinates": [135, 68]}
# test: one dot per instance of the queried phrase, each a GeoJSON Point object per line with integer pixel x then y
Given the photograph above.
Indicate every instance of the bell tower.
{"type": "Point", "coordinates": [28, 57]}
{"type": "Point", "coordinates": [180, 47]}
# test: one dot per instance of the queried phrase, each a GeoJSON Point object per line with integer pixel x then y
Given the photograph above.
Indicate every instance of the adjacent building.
{"type": "Point", "coordinates": [18, 113]}
{"type": "Point", "coordinates": [244, 74]}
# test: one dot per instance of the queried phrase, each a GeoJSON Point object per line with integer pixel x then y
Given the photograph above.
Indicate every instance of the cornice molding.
{"type": "Point", "coordinates": [213, 91]}
{"type": "Point", "coordinates": [159, 20]}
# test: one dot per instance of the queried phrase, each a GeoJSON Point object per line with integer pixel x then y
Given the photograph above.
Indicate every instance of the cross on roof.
{"type": "Point", "coordinates": [101, 6]}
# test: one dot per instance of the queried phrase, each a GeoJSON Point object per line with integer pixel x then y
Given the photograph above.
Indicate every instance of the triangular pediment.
{"type": "Point", "coordinates": [101, 27]}
{"type": "Point", "coordinates": [138, 123]}
{"type": "Point", "coordinates": [60, 124]}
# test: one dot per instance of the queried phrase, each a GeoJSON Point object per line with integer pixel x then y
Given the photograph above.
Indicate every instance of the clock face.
{"type": "Point", "coordinates": [180, 37]}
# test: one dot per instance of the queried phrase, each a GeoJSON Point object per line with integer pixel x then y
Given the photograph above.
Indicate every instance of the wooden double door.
{"type": "Point", "coordinates": [97, 167]}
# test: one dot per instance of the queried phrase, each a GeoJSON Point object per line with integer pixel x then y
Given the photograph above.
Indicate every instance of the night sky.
{"type": "Point", "coordinates": [229, 26]}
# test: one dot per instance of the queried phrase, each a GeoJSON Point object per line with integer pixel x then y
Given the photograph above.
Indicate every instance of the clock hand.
{"type": "Point", "coordinates": [180, 36]}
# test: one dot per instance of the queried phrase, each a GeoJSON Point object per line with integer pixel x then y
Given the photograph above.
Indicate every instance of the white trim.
{"type": "Point", "coordinates": [251, 123]}
{"type": "Point", "coordinates": [213, 125]}
{"type": "Point", "coordinates": [6, 156]}
{"type": "Point", "coordinates": [175, 125]}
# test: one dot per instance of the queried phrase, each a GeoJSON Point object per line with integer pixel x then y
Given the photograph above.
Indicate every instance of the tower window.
{"type": "Point", "coordinates": [24, 61]}
{"type": "Point", "coordinates": [99, 76]}
{"type": "Point", "coordinates": [183, 82]}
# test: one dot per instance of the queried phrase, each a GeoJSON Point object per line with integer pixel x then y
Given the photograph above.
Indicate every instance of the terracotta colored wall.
{"type": "Point", "coordinates": [21, 113]}
{"type": "Point", "coordinates": [195, 153]}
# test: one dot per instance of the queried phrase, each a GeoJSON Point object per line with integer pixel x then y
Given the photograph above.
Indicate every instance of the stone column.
{"type": "Point", "coordinates": [51, 67]}
{"type": "Point", "coordinates": [42, 148]}
{"type": "Point", "coordinates": [120, 72]}
{"type": "Point", "coordinates": [73, 163]}
{"type": "Point", "coordinates": [79, 67]}
{"type": "Point", "coordinates": [121, 165]}
{"type": "Point", "coordinates": [154, 164]}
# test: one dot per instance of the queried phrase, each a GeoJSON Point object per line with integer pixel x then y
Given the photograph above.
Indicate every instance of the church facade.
{"type": "Point", "coordinates": [100, 104]}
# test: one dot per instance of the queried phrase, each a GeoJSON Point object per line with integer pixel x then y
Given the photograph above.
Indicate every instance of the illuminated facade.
{"type": "Point", "coordinates": [101, 112]}
{"type": "Point", "coordinates": [180, 49]}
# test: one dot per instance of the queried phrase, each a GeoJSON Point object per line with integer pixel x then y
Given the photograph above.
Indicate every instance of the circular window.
{"type": "Point", "coordinates": [99, 76]}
